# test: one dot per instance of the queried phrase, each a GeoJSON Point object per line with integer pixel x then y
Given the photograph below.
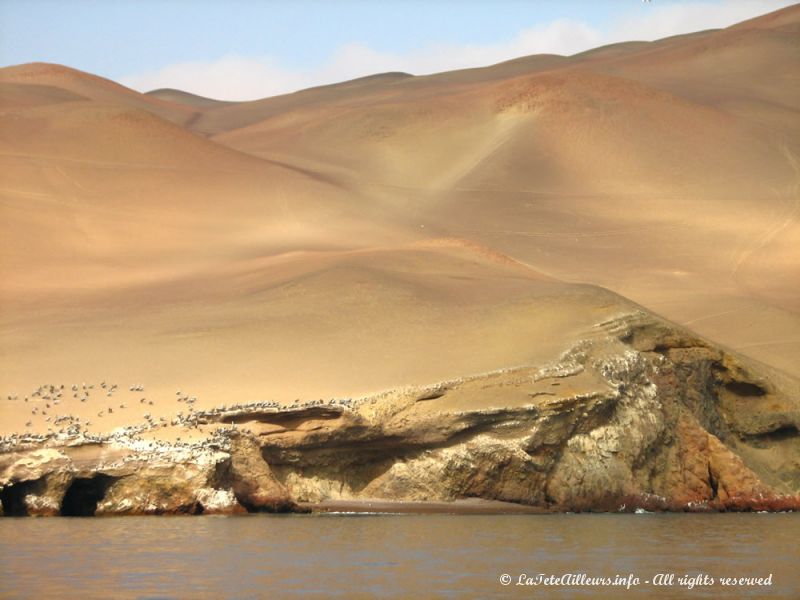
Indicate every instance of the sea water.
{"type": "Point", "coordinates": [403, 556]}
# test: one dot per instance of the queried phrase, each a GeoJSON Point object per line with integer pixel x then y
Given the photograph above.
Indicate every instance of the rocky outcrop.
{"type": "Point", "coordinates": [250, 480]}
{"type": "Point", "coordinates": [160, 489]}
{"type": "Point", "coordinates": [640, 414]}
{"type": "Point", "coordinates": [34, 483]}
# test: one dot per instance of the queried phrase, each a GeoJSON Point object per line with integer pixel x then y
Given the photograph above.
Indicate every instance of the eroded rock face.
{"type": "Point", "coordinates": [158, 489]}
{"type": "Point", "coordinates": [251, 480]}
{"type": "Point", "coordinates": [33, 483]}
{"type": "Point", "coordinates": [642, 414]}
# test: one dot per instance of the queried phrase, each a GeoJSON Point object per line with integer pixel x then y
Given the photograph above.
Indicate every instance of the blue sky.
{"type": "Point", "coordinates": [243, 49]}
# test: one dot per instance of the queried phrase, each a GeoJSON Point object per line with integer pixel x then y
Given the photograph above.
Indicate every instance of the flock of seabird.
{"type": "Point", "coordinates": [67, 428]}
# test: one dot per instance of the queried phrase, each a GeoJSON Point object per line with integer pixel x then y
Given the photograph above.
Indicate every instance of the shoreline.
{"type": "Point", "coordinates": [471, 506]}
{"type": "Point", "coordinates": [479, 506]}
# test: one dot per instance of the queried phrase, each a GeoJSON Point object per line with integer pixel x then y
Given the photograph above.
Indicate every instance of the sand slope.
{"type": "Point", "coordinates": [396, 230]}
{"type": "Point", "coordinates": [666, 171]}
{"type": "Point", "coordinates": [95, 88]}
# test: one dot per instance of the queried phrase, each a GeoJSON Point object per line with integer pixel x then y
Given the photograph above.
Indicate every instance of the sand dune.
{"type": "Point", "coordinates": [181, 97]}
{"type": "Point", "coordinates": [661, 170]}
{"type": "Point", "coordinates": [20, 95]}
{"type": "Point", "coordinates": [396, 230]}
{"type": "Point", "coordinates": [308, 325]}
{"type": "Point", "coordinates": [94, 88]}
{"type": "Point", "coordinates": [124, 196]}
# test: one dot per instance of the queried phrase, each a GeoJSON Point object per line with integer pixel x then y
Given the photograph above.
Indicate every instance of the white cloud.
{"type": "Point", "coordinates": [239, 78]}
{"type": "Point", "coordinates": [228, 78]}
{"type": "Point", "coordinates": [242, 78]}
{"type": "Point", "coordinates": [664, 20]}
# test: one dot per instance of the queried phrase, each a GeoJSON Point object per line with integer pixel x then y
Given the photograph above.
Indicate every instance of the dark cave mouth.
{"type": "Point", "coordinates": [746, 389]}
{"type": "Point", "coordinates": [12, 498]}
{"type": "Point", "coordinates": [83, 495]}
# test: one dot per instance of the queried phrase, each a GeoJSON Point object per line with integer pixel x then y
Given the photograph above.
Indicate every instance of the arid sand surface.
{"type": "Point", "coordinates": [392, 231]}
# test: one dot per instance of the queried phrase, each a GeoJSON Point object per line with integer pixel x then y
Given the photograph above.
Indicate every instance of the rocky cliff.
{"type": "Point", "coordinates": [642, 414]}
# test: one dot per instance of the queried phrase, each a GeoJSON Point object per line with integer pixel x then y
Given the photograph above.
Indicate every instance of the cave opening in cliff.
{"type": "Point", "coordinates": [83, 495]}
{"type": "Point", "coordinates": [13, 498]}
{"type": "Point", "coordinates": [743, 388]}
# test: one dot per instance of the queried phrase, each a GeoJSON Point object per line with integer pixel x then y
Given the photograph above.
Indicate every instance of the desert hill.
{"type": "Point", "coordinates": [666, 171]}
{"type": "Point", "coordinates": [181, 97]}
{"type": "Point", "coordinates": [395, 229]}
{"type": "Point", "coordinates": [93, 87]}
